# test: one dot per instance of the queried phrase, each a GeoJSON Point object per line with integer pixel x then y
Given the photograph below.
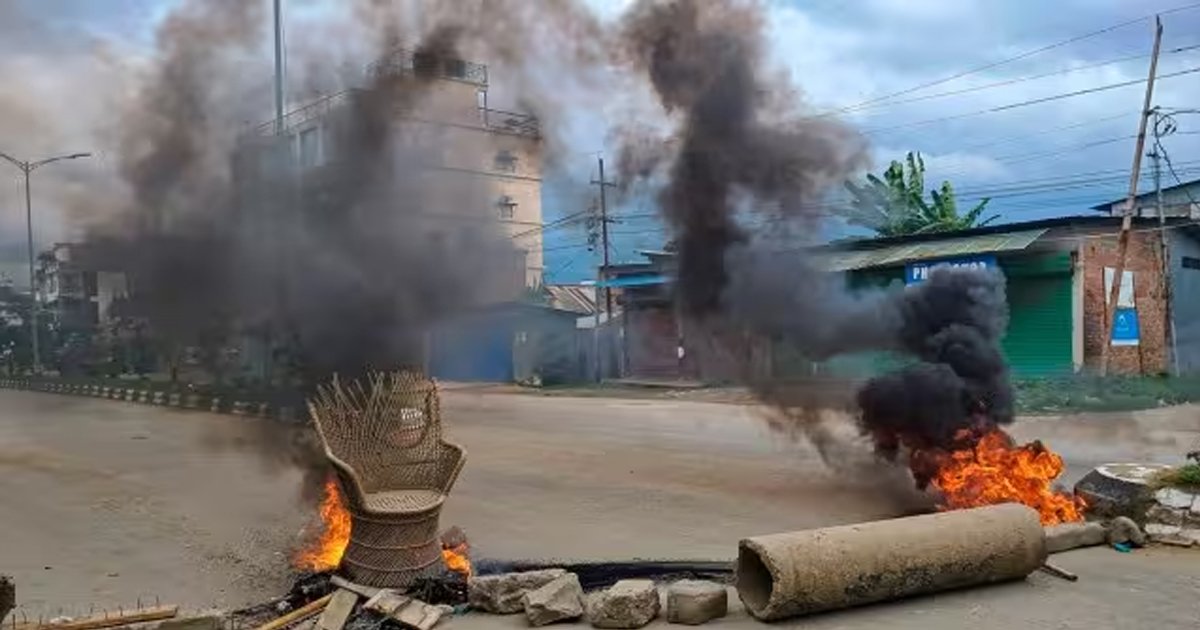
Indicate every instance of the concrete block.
{"type": "Point", "coordinates": [1164, 515]}
{"type": "Point", "coordinates": [1072, 535]}
{"type": "Point", "coordinates": [1157, 531]}
{"type": "Point", "coordinates": [1125, 530]}
{"type": "Point", "coordinates": [561, 599]}
{"type": "Point", "coordinates": [503, 593]}
{"type": "Point", "coordinates": [627, 604]}
{"type": "Point", "coordinates": [1174, 498]}
{"type": "Point", "coordinates": [693, 602]}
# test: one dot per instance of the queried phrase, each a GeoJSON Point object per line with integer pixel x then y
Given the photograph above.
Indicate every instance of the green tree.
{"type": "Point", "coordinates": [895, 205]}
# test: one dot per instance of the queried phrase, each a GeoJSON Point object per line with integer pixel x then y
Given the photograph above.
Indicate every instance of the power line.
{"type": "Point", "coordinates": [553, 224]}
{"type": "Point", "coordinates": [996, 64]}
{"type": "Point", "coordinates": [1033, 101]}
{"type": "Point", "coordinates": [1016, 80]}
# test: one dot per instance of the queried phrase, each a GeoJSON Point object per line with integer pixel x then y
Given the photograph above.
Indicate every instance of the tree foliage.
{"type": "Point", "coordinates": [895, 205]}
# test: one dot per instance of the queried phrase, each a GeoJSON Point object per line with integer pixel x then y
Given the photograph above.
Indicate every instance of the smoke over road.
{"type": "Point", "coordinates": [749, 154]}
{"type": "Point", "coordinates": [220, 241]}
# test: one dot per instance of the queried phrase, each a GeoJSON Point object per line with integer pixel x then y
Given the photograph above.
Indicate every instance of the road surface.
{"type": "Point", "coordinates": [103, 502]}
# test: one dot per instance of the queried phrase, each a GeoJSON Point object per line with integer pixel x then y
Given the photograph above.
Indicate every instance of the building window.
{"type": "Point", "coordinates": [310, 147]}
{"type": "Point", "coordinates": [455, 68]}
{"type": "Point", "coordinates": [505, 162]}
{"type": "Point", "coordinates": [507, 207]}
{"type": "Point", "coordinates": [1191, 263]}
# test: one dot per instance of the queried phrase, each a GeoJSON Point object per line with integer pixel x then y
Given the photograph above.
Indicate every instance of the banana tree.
{"type": "Point", "coordinates": [895, 205]}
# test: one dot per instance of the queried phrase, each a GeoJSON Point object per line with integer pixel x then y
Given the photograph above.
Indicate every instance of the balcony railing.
{"type": "Point", "coordinates": [404, 62]}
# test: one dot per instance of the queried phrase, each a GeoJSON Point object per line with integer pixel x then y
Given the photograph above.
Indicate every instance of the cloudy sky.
{"type": "Point", "coordinates": [947, 78]}
{"type": "Point", "coordinates": [869, 60]}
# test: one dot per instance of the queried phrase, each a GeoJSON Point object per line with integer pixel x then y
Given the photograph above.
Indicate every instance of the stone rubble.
{"type": "Point", "coordinates": [561, 599]}
{"type": "Point", "coordinates": [503, 594]}
{"type": "Point", "coordinates": [693, 602]}
{"type": "Point", "coordinates": [1123, 529]}
{"type": "Point", "coordinates": [1174, 519]}
{"type": "Point", "coordinates": [627, 604]}
{"type": "Point", "coordinates": [1174, 498]}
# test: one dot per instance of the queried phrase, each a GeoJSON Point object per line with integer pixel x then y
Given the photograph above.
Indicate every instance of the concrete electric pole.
{"type": "Point", "coordinates": [1110, 307]}
{"type": "Point", "coordinates": [27, 168]}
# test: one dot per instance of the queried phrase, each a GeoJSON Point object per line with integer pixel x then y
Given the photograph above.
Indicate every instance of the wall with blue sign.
{"type": "Point", "coordinates": [917, 272]}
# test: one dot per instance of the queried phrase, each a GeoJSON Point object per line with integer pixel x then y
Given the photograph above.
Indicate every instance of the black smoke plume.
{"type": "Point", "coordinates": [748, 155]}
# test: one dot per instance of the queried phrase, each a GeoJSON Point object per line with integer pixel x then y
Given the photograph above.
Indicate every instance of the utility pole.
{"type": "Point", "coordinates": [1164, 265]}
{"type": "Point", "coordinates": [604, 185]}
{"type": "Point", "coordinates": [278, 67]}
{"type": "Point", "coordinates": [604, 221]}
{"type": "Point", "coordinates": [27, 168]}
{"type": "Point", "coordinates": [1110, 307]}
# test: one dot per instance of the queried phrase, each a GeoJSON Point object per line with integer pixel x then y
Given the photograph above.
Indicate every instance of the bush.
{"type": "Point", "coordinates": [1186, 476]}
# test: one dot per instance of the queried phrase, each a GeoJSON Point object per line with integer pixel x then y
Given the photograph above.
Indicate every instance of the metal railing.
{"type": "Point", "coordinates": [404, 62]}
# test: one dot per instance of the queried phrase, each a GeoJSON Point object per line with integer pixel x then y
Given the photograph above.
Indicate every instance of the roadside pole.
{"type": "Point", "coordinates": [1110, 307]}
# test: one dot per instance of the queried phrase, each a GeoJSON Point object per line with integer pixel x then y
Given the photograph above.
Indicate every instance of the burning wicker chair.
{"type": "Point", "coordinates": [385, 443]}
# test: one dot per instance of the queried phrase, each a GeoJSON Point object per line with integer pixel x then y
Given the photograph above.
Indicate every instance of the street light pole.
{"type": "Point", "coordinates": [27, 168]}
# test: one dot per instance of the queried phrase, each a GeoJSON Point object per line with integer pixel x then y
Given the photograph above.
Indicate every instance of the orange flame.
{"type": "Point", "coordinates": [993, 469]}
{"type": "Point", "coordinates": [325, 552]}
{"type": "Point", "coordinates": [457, 559]}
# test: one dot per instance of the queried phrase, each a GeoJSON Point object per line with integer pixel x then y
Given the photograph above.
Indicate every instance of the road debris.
{"type": "Point", "coordinates": [1058, 572]}
{"type": "Point", "coordinates": [304, 612]}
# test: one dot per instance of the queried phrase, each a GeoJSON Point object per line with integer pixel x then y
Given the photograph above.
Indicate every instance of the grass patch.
{"type": "Point", "coordinates": [1115, 393]}
{"type": "Point", "coordinates": [1185, 477]}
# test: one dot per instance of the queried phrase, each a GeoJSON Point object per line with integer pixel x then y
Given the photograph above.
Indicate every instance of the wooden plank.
{"type": "Point", "coordinates": [365, 591]}
{"type": "Point", "coordinates": [102, 620]}
{"type": "Point", "coordinates": [303, 612]}
{"type": "Point", "coordinates": [338, 610]}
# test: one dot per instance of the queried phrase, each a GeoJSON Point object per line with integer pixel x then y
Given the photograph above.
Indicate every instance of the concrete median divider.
{"type": "Point", "coordinates": [149, 395]}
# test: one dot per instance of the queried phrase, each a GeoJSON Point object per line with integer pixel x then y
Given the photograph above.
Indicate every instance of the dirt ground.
{"type": "Point", "coordinates": [104, 502]}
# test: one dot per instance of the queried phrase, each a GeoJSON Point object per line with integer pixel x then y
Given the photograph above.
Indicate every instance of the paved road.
{"type": "Point", "coordinates": [122, 500]}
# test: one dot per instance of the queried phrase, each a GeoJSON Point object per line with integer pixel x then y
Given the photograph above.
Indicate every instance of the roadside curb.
{"type": "Point", "coordinates": [147, 396]}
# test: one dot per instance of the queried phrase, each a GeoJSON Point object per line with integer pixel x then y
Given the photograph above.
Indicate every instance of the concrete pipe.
{"type": "Point", "coordinates": [797, 573]}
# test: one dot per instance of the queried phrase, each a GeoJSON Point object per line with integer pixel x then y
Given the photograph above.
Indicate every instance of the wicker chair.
{"type": "Point", "coordinates": [385, 443]}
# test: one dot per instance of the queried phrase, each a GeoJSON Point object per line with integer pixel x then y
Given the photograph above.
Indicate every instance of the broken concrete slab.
{"type": "Point", "coordinates": [561, 599]}
{"type": "Point", "coordinates": [1164, 515]}
{"type": "Point", "coordinates": [1175, 498]}
{"type": "Point", "coordinates": [693, 602]}
{"type": "Point", "coordinates": [338, 611]}
{"type": "Point", "coordinates": [502, 593]}
{"type": "Point", "coordinates": [411, 613]}
{"type": "Point", "coordinates": [1066, 536]}
{"type": "Point", "coordinates": [1158, 531]}
{"type": "Point", "coordinates": [627, 604]}
{"type": "Point", "coordinates": [1123, 529]}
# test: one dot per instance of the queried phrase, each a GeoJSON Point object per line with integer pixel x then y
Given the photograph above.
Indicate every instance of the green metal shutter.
{"type": "Point", "coordinates": [1039, 336]}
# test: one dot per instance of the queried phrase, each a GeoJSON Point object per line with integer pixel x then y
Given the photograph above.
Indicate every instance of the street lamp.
{"type": "Point", "coordinates": [27, 168]}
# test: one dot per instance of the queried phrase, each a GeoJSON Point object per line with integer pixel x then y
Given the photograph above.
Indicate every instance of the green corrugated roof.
{"type": "Point", "coordinates": [845, 260]}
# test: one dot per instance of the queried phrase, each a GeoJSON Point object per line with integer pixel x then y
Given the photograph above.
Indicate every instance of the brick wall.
{"type": "Point", "coordinates": [1143, 259]}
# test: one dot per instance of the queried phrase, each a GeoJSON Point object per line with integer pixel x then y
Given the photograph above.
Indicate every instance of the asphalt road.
{"type": "Point", "coordinates": [104, 502]}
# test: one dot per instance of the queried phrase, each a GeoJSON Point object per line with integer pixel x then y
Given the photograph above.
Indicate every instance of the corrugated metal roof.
{"type": "Point", "coordinates": [845, 260]}
{"type": "Point", "coordinates": [572, 297]}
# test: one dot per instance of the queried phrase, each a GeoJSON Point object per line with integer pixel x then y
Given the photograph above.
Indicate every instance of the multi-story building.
{"type": "Point", "coordinates": [478, 167]}
{"type": "Point", "coordinates": [76, 290]}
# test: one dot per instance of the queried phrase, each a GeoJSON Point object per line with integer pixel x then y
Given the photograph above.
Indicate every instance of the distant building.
{"type": "Point", "coordinates": [462, 143]}
{"type": "Point", "coordinates": [76, 288]}
{"type": "Point", "coordinates": [1179, 201]}
{"type": "Point", "coordinates": [1057, 272]}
